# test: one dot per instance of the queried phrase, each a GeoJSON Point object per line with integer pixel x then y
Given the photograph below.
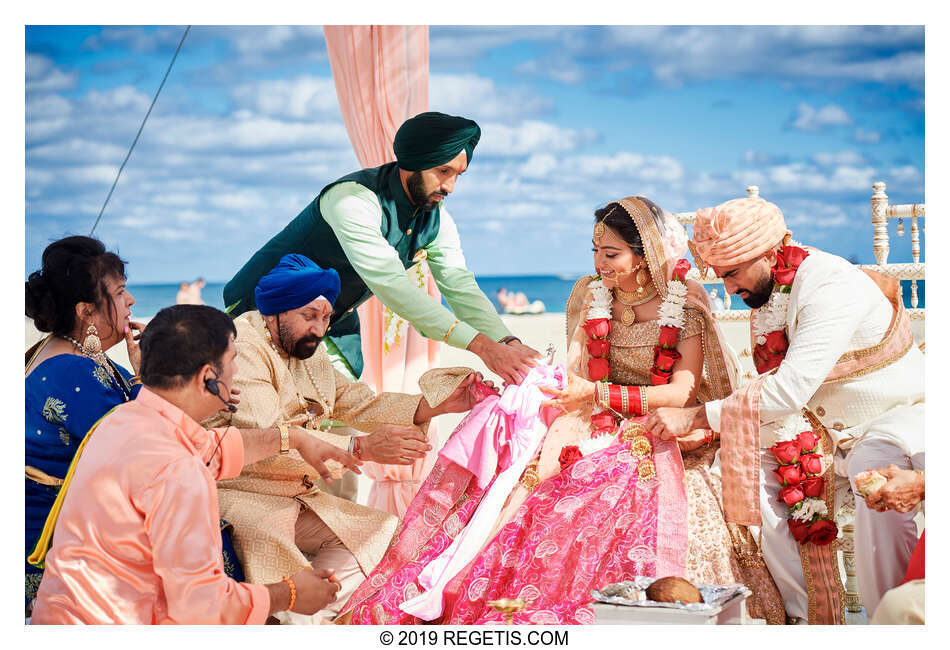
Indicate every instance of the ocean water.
{"type": "Point", "coordinates": [552, 290]}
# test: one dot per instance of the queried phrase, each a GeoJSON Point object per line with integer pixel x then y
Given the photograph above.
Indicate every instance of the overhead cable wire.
{"type": "Point", "coordinates": [144, 120]}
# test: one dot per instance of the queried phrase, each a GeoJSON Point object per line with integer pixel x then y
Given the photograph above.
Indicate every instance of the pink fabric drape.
{"type": "Point", "coordinates": [381, 74]}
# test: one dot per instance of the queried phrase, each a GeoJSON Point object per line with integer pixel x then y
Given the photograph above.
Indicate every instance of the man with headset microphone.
{"type": "Point", "coordinates": [136, 536]}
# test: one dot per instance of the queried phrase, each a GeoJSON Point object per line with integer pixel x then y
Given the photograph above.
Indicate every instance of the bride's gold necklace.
{"type": "Point", "coordinates": [314, 420]}
{"type": "Point", "coordinates": [630, 299]}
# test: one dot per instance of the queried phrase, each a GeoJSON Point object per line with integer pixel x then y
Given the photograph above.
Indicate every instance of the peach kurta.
{"type": "Point", "coordinates": [138, 539]}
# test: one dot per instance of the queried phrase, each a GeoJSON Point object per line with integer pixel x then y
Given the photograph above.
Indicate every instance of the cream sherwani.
{"type": "Point", "coordinates": [277, 506]}
{"type": "Point", "coordinates": [875, 417]}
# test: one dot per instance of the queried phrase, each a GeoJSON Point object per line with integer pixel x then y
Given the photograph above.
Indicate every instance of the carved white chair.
{"type": "Point", "coordinates": [734, 323]}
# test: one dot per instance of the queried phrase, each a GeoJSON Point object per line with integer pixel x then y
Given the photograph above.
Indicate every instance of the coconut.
{"type": "Point", "coordinates": [672, 589]}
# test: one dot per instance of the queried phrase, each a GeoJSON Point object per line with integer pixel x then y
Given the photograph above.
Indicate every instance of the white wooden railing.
{"type": "Point", "coordinates": [881, 212]}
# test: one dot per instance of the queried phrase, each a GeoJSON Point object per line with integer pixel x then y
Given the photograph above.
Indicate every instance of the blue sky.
{"type": "Point", "coordinates": [247, 131]}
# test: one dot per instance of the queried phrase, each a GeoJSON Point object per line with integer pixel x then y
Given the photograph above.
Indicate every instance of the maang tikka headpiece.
{"type": "Point", "coordinates": [600, 229]}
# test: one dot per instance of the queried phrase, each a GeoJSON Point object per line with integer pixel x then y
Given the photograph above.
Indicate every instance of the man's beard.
{"type": "Point", "coordinates": [302, 348]}
{"type": "Point", "coordinates": [418, 194]}
{"type": "Point", "coordinates": [761, 295]}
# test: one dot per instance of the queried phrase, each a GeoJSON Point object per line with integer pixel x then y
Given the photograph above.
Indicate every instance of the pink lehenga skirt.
{"type": "Point", "coordinates": [596, 522]}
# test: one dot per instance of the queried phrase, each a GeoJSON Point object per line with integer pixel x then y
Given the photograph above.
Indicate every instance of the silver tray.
{"type": "Point", "coordinates": [632, 593]}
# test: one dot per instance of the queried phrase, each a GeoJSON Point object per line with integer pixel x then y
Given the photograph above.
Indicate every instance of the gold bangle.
{"type": "Point", "coordinates": [644, 409]}
{"type": "Point", "coordinates": [624, 400]}
{"type": "Point", "coordinates": [293, 592]}
{"type": "Point", "coordinates": [445, 339]}
{"type": "Point", "coordinates": [284, 438]}
{"type": "Point", "coordinates": [603, 394]}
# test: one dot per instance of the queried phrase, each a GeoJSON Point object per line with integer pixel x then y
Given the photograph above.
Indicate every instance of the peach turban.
{"type": "Point", "coordinates": [736, 231]}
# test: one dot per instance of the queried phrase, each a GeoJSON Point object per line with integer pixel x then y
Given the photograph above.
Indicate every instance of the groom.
{"type": "Point", "coordinates": [831, 338]}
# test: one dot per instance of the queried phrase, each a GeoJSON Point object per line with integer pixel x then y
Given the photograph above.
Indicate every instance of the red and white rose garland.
{"type": "Point", "coordinates": [605, 423]}
{"type": "Point", "coordinates": [800, 468]}
{"type": "Point", "coordinates": [771, 320]}
{"type": "Point", "coordinates": [800, 462]}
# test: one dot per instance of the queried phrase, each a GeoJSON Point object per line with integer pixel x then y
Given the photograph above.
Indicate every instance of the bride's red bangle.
{"type": "Point", "coordinates": [637, 400]}
{"type": "Point", "coordinates": [616, 400]}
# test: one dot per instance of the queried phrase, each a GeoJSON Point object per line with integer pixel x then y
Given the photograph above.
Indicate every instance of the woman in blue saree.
{"type": "Point", "coordinates": [79, 297]}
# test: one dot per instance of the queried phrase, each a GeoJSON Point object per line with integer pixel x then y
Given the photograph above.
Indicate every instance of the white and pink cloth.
{"type": "Point", "coordinates": [595, 522]}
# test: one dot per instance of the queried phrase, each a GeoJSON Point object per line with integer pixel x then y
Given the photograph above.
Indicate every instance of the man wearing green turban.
{"type": "Point", "coordinates": [374, 224]}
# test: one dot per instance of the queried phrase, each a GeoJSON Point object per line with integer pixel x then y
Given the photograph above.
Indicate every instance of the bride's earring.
{"type": "Point", "coordinates": [91, 343]}
{"type": "Point", "coordinates": [642, 276]}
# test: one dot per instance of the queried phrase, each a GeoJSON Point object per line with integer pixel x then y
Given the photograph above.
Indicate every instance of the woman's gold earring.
{"type": "Point", "coordinates": [642, 276]}
{"type": "Point", "coordinates": [91, 343]}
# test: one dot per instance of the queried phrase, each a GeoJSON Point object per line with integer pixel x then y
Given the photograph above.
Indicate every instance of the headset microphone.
{"type": "Point", "coordinates": [212, 386]}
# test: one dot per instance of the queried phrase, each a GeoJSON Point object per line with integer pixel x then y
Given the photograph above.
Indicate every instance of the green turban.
{"type": "Point", "coordinates": [432, 139]}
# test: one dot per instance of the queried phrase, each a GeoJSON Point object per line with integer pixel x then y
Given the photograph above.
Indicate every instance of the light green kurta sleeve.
{"type": "Point", "coordinates": [457, 283]}
{"type": "Point", "coordinates": [354, 214]}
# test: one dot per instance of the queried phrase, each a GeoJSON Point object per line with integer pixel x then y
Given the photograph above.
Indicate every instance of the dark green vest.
{"type": "Point", "coordinates": [404, 226]}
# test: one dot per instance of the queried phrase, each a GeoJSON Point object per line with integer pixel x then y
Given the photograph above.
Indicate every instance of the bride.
{"type": "Point", "coordinates": [603, 501]}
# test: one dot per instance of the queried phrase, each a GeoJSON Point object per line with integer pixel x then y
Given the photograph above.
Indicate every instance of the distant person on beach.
{"type": "Point", "coordinates": [190, 294]}
{"type": "Point", "coordinates": [137, 537]}
{"type": "Point", "coordinates": [182, 297]}
{"type": "Point", "coordinates": [371, 225]}
{"type": "Point", "coordinates": [517, 303]}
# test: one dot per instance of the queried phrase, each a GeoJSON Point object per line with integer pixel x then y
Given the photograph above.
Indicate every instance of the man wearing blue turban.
{"type": "Point", "coordinates": [372, 225]}
{"type": "Point", "coordinates": [283, 517]}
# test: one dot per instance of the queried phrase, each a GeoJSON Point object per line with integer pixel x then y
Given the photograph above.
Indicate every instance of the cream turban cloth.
{"type": "Point", "coordinates": [736, 231]}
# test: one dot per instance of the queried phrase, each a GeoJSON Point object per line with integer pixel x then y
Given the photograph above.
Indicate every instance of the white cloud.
{"type": "Point", "coordinates": [250, 134]}
{"type": "Point", "coordinates": [43, 76]}
{"type": "Point", "coordinates": [480, 99]}
{"type": "Point", "coordinates": [303, 98]}
{"type": "Point", "coordinates": [904, 176]}
{"type": "Point", "coordinates": [559, 69]}
{"type": "Point", "coordinates": [676, 55]}
{"type": "Point", "coordinates": [274, 40]}
{"type": "Point", "coordinates": [830, 159]}
{"type": "Point", "coordinates": [539, 165]}
{"type": "Point", "coordinates": [626, 165]}
{"type": "Point", "coordinates": [867, 137]}
{"type": "Point", "coordinates": [808, 118]}
{"type": "Point", "coordinates": [46, 106]}
{"type": "Point", "coordinates": [77, 150]}
{"type": "Point", "coordinates": [814, 214]}
{"type": "Point", "coordinates": [530, 137]}
{"type": "Point", "coordinates": [453, 45]}
{"type": "Point", "coordinates": [137, 39]}
{"type": "Point", "coordinates": [268, 46]}
{"type": "Point", "coordinates": [116, 100]}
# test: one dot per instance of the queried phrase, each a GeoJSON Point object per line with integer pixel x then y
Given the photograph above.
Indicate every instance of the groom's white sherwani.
{"type": "Point", "coordinates": [874, 415]}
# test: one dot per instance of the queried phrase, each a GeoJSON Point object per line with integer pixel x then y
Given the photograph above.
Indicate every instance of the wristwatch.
{"type": "Point", "coordinates": [354, 447]}
{"type": "Point", "coordinates": [508, 339]}
{"type": "Point", "coordinates": [284, 438]}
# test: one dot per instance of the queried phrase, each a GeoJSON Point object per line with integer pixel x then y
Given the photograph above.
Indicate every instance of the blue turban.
{"type": "Point", "coordinates": [294, 282]}
{"type": "Point", "coordinates": [432, 139]}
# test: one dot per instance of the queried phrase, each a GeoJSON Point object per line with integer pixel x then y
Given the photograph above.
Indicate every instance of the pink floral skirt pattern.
{"type": "Point", "coordinates": [594, 523]}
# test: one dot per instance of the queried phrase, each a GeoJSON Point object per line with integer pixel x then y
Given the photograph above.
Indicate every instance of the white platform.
{"type": "Point", "coordinates": [732, 613]}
